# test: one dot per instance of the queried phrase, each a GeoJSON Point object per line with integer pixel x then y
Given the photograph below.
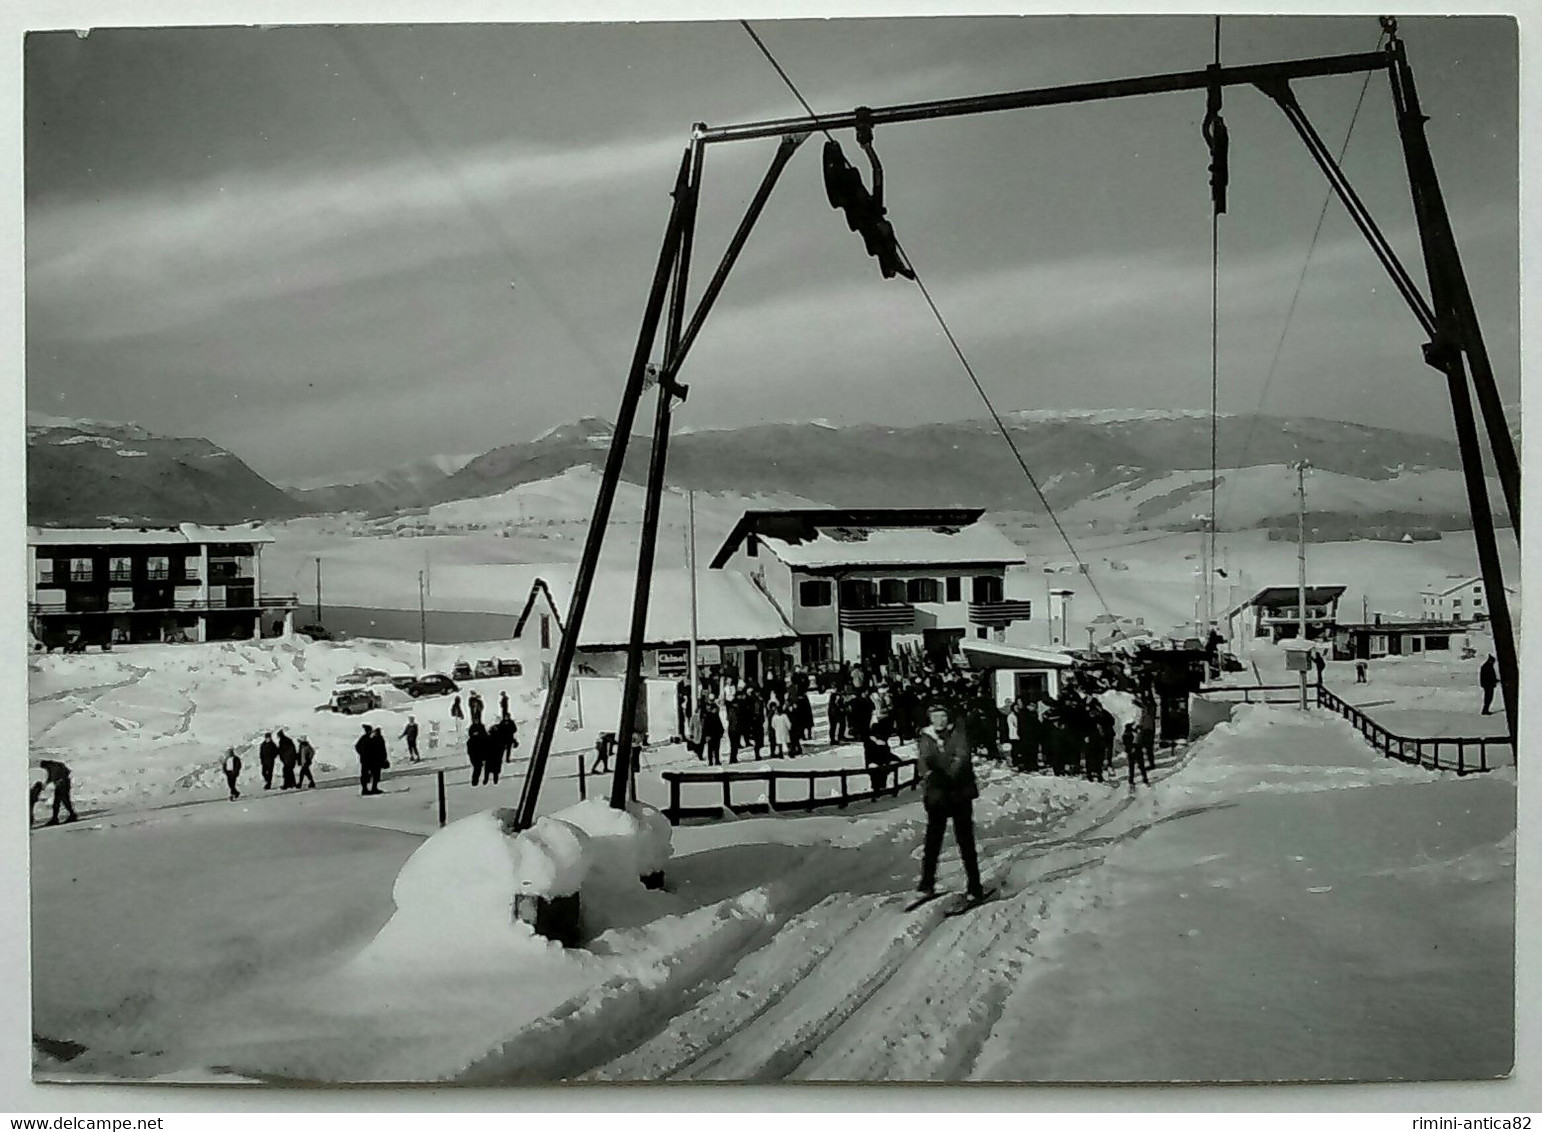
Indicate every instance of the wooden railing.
{"type": "Point", "coordinates": [1412, 749]}
{"type": "Point", "coordinates": [883, 782]}
{"type": "Point", "coordinates": [1256, 693]}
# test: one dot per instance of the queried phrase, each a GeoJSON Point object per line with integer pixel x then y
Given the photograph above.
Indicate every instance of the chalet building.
{"type": "Point", "coordinates": [857, 584]}
{"type": "Point", "coordinates": [1371, 640]}
{"type": "Point", "coordinates": [737, 626]}
{"type": "Point", "coordinates": [1456, 598]}
{"type": "Point", "coordinates": [1271, 615]}
{"type": "Point", "coordinates": [132, 585]}
{"type": "Point", "coordinates": [1018, 672]}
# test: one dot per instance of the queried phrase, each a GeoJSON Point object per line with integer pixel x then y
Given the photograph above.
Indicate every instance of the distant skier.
{"type": "Point", "coordinates": [510, 739]}
{"type": "Point", "coordinates": [1319, 664]}
{"type": "Point", "coordinates": [1488, 679]}
{"type": "Point", "coordinates": [1133, 757]}
{"type": "Point", "coordinates": [410, 733]}
{"type": "Point", "coordinates": [56, 774]}
{"type": "Point", "coordinates": [288, 756]}
{"type": "Point", "coordinates": [267, 756]}
{"type": "Point", "coordinates": [457, 713]}
{"type": "Point", "coordinates": [231, 765]}
{"type": "Point", "coordinates": [604, 747]}
{"type": "Point", "coordinates": [948, 793]}
{"type": "Point", "coordinates": [474, 706]}
{"type": "Point", "coordinates": [306, 755]}
{"type": "Point", "coordinates": [1360, 667]}
{"type": "Point", "coordinates": [503, 705]}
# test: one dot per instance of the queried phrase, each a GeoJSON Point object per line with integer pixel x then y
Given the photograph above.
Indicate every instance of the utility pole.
{"type": "Point", "coordinates": [690, 548]}
{"type": "Point", "coordinates": [422, 623]}
{"type": "Point", "coordinates": [318, 591]}
{"type": "Point", "coordinates": [1301, 468]}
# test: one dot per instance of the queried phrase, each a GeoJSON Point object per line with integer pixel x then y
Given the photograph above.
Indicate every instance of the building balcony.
{"type": "Point", "coordinates": [193, 605]}
{"type": "Point", "coordinates": [896, 616]}
{"type": "Point", "coordinates": [999, 612]}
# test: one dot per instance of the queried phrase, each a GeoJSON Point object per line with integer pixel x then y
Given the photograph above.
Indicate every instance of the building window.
{"type": "Point", "coordinates": [891, 591]}
{"type": "Point", "coordinates": [545, 631]}
{"type": "Point", "coordinates": [45, 571]}
{"type": "Point", "coordinates": [80, 570]}
{"type": "Point", "coordinates": [192, 569]}
{"type": "Point", "coordinates": [120, 569]}
{"type": "Point", "coordinates": [814, 594]}
{"type": "Point", "coordinates": [751, 547]}
{"type": "Point", "coordinates": [817, 649]}
{"type": "Point", "coordinates": [987, 587]}
{"type": "Point", "coordinates": [955, 588]}
{"type": "Point", "coordinates": [922, 590]}
{"type": "Point", "coordinates": [1456, 603]}
{"type": "Point", "coordinates": [857, 593]}
{"type": "Point", "coordinates": [158, 568]}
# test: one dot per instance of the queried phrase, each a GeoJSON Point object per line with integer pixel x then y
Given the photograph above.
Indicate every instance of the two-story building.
{"type": "Point", "coordinates": [1271, 614]}
{"type": "Point", "coordinates": [190, 582]}
{"type": "Point", "coordinates": [856, 584]}
{"type": "Point", "coordinates": [1456, 598]}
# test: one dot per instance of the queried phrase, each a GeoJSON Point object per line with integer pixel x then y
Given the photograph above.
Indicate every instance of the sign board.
{"type": "Point", "coordinates": [1298, 660]}
{"type": "Point", "coordinates": [709, 654]}
{"type": "Point", "coordinates": [673, 662]}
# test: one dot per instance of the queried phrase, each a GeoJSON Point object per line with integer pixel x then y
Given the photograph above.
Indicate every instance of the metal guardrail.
{"type": "Point", "coordinates": [885, 781]}
{"type": "Point", "coordinates": [1398, 746]}
{"type": "Point", "coordinates": [1459, 750]}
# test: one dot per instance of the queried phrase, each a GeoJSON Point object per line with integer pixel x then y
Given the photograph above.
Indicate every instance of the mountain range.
{"type": "Point", "coordinates": [1138, 467]}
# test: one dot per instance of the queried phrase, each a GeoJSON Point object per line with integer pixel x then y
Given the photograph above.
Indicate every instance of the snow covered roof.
{"type": "Point", "coordinates": [1451, 585]}
{"type": "Point", "coordinates": [991, 654]}
{"type": "Point", "coordinates": [832, 538]}
{"type": "Point", "coordinates": [1286, 595]}
{"type": "Point", "coordinates": [728, 608]}
{"type": "Point", "coordinates": [193, 533]}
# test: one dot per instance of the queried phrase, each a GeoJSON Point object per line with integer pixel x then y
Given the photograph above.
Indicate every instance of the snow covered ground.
{"type": "Point", "coordinates": [1281, 904]}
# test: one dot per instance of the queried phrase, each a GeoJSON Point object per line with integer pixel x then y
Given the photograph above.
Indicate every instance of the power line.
{"type": "Point", "coordinates": [957, 349]}
{"type": "Point", "coordinates": [1295, 297]}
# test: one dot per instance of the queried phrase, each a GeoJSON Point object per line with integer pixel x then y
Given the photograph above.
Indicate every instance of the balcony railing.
{"type": "Point", "coordinates": [892, 616]}
{"type": "Point", "coordinates": [268, 601]}
{"type": "Point", "coordinates": [999, 612]}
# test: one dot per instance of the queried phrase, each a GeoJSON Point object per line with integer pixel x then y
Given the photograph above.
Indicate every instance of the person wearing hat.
{"type": "Point", "coordinates": [948, 791]}
{"type": "Point", "coordinates": [306, 755]}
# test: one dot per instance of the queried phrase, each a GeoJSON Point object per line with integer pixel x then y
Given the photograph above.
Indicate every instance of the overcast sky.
{"type": "Point", "coordinates": [333, 250]}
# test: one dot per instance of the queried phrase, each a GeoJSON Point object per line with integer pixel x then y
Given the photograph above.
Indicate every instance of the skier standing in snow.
{"type": "Point", "coordinates": [231, 765]}
{"type": "Point", "coordinates": [288, 756]}
{"type": "Point", "coordinates": [1133, 759]}
{"type": "Point", "coordinates": [58, 775]}
{"type": "Point", "coordinates": [1360, 667]}
{"type": "Point", "coordinates": [948, 791]}
{"type": "Point", "coordinates": [1488, 680]}
{"type": "Point", "coordinates": [307, 755]}
{"type": "Point", "coordinates": [503, 705]}
{"type": "Point", "coordinates": [474, 705]}
{"type": "Point", "coordinates": [410, 733]}
{"type": "Point", "coordinates": [267, 755]}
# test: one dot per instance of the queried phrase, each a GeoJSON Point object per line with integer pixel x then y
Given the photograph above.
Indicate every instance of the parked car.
{"type": "Point", "coordinates": [461, 671]}
{"type": "Point", "coordinates": [485, 669]}
{"type": "Point", "coordinates": [1230, 663]}
{"type": "Point", "coordinates": [354, 701]}
{"type": "Point", "coordinates": [432, 684]}
{"type": "Point", "coordinates": [314, 632]}
{"type": "Point", "coordinates": [405, 682]}
{"type": "Point", "coordinates": [510, 668]}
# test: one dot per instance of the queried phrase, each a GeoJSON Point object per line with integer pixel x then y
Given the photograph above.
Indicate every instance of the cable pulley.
{"type": "Point", "coordinates": [1218, 140]}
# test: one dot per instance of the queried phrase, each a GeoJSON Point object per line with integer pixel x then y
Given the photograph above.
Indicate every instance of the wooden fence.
{"type": "Point", "coordinates": [882, 782]}
{"type": "Point", "coordinates": [1412, 749]}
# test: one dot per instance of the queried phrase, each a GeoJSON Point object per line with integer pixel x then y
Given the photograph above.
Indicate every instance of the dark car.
{"type": "Point", "coordinates": [355, 701]}
{"type": "Point", "coordinates": [510, 668]}
{"type": "Point", "coordinates": [433, 684]}
{"type": "Point", "coordinates": [314, 632]}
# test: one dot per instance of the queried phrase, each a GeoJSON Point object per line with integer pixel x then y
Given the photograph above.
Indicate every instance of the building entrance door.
{"type": "Point", "coordinates": [877, 644]}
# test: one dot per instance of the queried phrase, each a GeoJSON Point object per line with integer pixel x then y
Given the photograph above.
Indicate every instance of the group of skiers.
{"type": "Point", "coordinates": [488, 748]}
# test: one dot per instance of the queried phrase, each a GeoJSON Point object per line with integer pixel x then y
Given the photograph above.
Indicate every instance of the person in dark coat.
{"type": "Point", "coordinates": [1025, 755]}
{"type": "Point", "coordinates": [231, 765]}
{"type": "Point", "coordinates": [476, 751]}
{"type": "Point", "coordinates": [510, 738]}
{"type": "Point", "coordinates": [1318, 663]}
{"type": "Point", "coordinates": [369, 771]}
{"type": "Point", "coordinates": [753, 712]}
{"type": "Point", "coordinates": [57, 775]}
{"type": "Point", "coordinates": [711, 731]}
{"type": "Point", "coordinates": [859, 714]}
{"type": "Point", "coordinates": [733, 727]}
{"type": "Point", "coordinates": [503, 705]}
{"type": "Point", "coordinates": [682, 705]}
{"type": "Point", "coordinates": [492, 762]}
{"type": "Point", "coordinates": [837, 712]}
{"type": "Point", "coordinates": [288, 756]}
{"type": "Point", "coordinates": [1146, 728]}
{"type": "Point", "coordinates": [306, 754]}
{"type": "Point", "coordinates": [267, 756]}
{"type": "Point", "coordinates": [802, 712]}
{"type": "Point", "coordinates": [1133, 758]}
{"type": "Point", "coordinates": [948, 791]}
{"type": "Point", "coordinates": [1488, 680]}
{"type": "Point", "coordinates": [410, 733]}
{"type": "Point", "coordinates": [878, 755]}
{"type": "Point", "coordinates": [474, 705]}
